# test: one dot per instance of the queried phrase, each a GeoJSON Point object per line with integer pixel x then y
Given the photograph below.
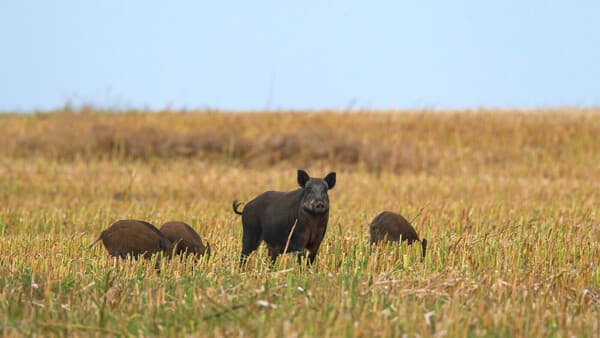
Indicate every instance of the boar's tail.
{"type": "Point", "coordinates": [96, 241]}
{"type": "Point", "coordinates": [235, 205]}
{"type": "Point", "coordinates": [424, 246]}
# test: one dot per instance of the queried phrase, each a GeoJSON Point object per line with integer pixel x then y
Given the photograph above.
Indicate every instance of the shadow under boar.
{"type": "Point", "coordinates": [185, 239]}
{"type": "Point", "coordinates": [134, 238]}
{"type": "Point", "coordinates": [272, 215]}
{"type": "Point", "coordinates": [389, 226]}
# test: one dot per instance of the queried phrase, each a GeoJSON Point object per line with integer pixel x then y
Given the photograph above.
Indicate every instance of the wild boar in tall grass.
{"type": "Point", "coordinates": [134, 238]}
{"type": "Point", "coordinates": [293, 221]}
{"type": "Point", "coordinates": [392, 227]}
{"type": "Point", "coordinates": [185, 239]}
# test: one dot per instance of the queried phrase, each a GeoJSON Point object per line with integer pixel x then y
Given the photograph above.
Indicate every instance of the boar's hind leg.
{"type": "Point", "coordinates": [250, 241]}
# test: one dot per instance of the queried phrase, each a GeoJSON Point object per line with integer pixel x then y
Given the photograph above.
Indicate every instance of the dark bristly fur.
{"type": "Point", "coordinates": [272, 215]}
{"type": "Point", "coordinates": [389, 226]}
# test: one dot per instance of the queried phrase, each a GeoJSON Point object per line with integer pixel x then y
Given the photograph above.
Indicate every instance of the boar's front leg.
{"type": "Point", "coordinates": [300, 255]}
{"type": "Point", "coordinates": [274, 252]}
{"type": "Point", "coordinates": [313, 247]}
{"type": "Point", "coordinates": [297, 245]}
{"type": "Point", "coordinates": [313, 253]}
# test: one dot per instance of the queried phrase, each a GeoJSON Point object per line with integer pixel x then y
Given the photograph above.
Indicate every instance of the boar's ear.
{"type": "Point", "coordinates": [330, 179]}
{"type": "Point", "coordinates": [302, 178]}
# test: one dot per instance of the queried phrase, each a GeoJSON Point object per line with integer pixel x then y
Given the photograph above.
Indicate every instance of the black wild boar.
{"type": "Point", "coordinates": [185, 240]}
{"type": "Point", "coordinates": [271, 216]}
{"type": "Point", "coordinates": [389, 226]}
{"type": "Point", "coordinates": [134, 238]}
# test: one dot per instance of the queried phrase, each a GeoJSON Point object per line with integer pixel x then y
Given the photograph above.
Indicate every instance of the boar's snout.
{"type": "Point", "coordinates": [316, 205]}
{"type": "Point", "coordinates": [320, 206]}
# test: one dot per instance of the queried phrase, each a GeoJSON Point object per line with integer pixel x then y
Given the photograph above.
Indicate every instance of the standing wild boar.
{"type": "Point", "coordinates": [389, 226]}
{"type": "Point", "coordinates": [271, 216]}
{"type": "Point", "coordinates": [185, 240]}
{"type": "Point", "coordinates": [134, 238]}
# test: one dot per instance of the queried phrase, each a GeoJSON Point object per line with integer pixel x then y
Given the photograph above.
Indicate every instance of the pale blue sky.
{"type": "Point", "coordinates": [301, 54]}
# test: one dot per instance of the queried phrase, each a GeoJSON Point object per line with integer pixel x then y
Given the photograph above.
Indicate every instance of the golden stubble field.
{"type": "Point", "coordinates": [509, 202]}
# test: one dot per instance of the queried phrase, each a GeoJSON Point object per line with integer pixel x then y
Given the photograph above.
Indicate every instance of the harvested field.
{"type": "Point", "coordinates": [509, 202]}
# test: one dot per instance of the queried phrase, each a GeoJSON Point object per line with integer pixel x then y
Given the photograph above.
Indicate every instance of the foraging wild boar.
{"type": "Point", "coordinates": [134, 238]}
{"type": "Point", "coordinates": [185, 239]}
{"type": "Point", "coordinates": [271, 216]}
{"type": "Point", "coordinates": [391, 227]}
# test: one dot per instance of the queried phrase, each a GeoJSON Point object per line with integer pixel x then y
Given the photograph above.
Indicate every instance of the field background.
{"type": "Point", "coordinates": [509, 202]}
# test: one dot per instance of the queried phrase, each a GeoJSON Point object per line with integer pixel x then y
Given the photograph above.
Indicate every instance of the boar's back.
{"type": "Point", "coordinates": [393, 226]}
{"type": "Point", "coordinates": [135, 238]}
{"type": "Point", "coordinates": [184, 237]}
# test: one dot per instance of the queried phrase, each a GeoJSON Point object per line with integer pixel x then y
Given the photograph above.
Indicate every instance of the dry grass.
{"type": "Point", "coordinates": [420, 142]}
{"type": "Point", "coordinates": [510, 209]}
